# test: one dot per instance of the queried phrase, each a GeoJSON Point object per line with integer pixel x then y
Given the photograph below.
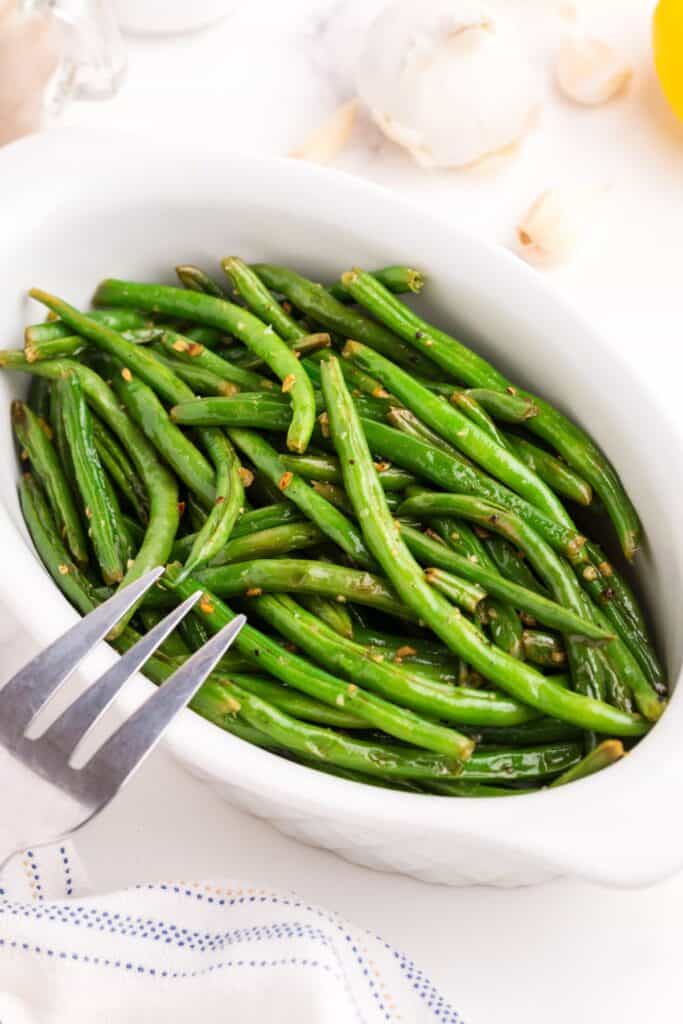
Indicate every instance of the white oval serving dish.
{"type": "Point", "coordinates": [75, 208]}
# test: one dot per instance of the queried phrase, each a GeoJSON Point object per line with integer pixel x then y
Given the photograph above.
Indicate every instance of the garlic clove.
{"type": "Point", "coordinates": [331, 137]}
{"type": "Point", "coordinates": [555, 223]}
{"type": "Point", "coordinates": [589, 71]}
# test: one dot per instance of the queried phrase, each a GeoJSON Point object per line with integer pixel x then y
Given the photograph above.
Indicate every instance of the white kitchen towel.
{"type": "Point", "coordinates": [191, 951]}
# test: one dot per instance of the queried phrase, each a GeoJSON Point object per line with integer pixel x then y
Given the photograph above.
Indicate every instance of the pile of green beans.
{"type": "Point", "coordinates": [396, 518]}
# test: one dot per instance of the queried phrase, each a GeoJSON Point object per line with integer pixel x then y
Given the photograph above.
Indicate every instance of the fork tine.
{"type": "Point", "coordinates": [27, 691]}
{"type": "Point", "coordinates": [125, 749]}
{"type": "Point", "coordinates": [77, 720]}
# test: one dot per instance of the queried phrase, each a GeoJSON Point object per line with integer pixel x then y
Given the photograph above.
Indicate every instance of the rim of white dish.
{"type": "Point", "coordinates": [545, 825]}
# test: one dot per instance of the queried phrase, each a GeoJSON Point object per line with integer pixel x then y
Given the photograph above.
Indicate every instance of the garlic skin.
{"type": "Point", "coordinates": [331, 137]}
{"type": "Point", "coordinates": [589, 71]}
{"type": "Point", "coordinates": [555, 223]}
{"type": "Point", "coordinates": [446, 79]}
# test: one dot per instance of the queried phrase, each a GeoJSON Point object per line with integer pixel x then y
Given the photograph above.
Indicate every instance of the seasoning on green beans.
{"type": "Point", "coordinates": [434, 620]}
{"type": "Point", "coordinates": [244, 325]}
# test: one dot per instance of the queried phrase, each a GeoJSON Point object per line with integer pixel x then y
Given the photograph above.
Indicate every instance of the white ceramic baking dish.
{"type": "Point", "coordinates": [77, 208]}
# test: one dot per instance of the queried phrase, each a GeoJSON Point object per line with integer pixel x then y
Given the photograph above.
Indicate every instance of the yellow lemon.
{"type": "Point", "coordinates": [667, 42]}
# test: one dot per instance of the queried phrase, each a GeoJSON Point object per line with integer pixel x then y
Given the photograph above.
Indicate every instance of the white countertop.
{"type": "Point", "coordinates": [262, 79]}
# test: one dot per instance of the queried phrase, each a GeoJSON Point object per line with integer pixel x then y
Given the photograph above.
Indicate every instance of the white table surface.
{"type": "Point", "coordinates": [564, 951]}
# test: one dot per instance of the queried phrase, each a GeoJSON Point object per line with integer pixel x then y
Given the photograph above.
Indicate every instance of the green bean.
{"type": "Point", "coordinates": [457, 535]}
{"type": "Point", "coordinates": [605, 754]}
{"type": "Point", "coordinates": [196, 280]}
{"type": "Point", "coordinates": [411, 651]}
{"type": "Point", "coordinates": [196, 355]}
{"type": "Point", "coordinates": [291, 575]}
{"type": "Point", "coordinates": [209, 337]}
{"type": "Point", "coordinates": [116, 462]}
{"type": "Point", "coordinates": [410, 424]}
{"type": "Point", "coordinates": [530, 763]}
{"type": "Point", "coordinates": [45, 535]}
{"type": "Point", "coordinates": [335, 494]}
{"type": "Point", "coordinates": [32, 435]}
{"type": "Point", "coordinates": [264, 518]}
{"type": "Point", "coordinates": [450, 473]}
{"type": "Point", "coordinates": [56, 348]}
{"type": "Point", "coordinates": [71, 345]}
{"type": "Point", "coordinates": [259, 300]}
{"type": "Point", "coordinates": [220, 700]}
{"type": "Point", "coordinates": [318, 683]}
{"type": "Point", "coordinates": [358, 381]}
{"type": "Point", "coordinates": [227, 316]}
{"type": "Point", "coordinates": [505, 627]}
{"type": "Point", "coordinates": [202, 382]}
{"type": "Point", "coordinates": [510, 562]}
{"type": "Point", "coordinates": [504, 624]}
{"type": "Point", "coordinates": [222, 494]}
{"type": "Point", "coordinates": [38, 399]}
{"type": "Point", "coordinates": [326, 744]}
{"type": "Point", "coordinates": [161, 486]}
{"type": "Point", "coordinates": [136, 358]}
{"type": "Point", "coordinates": [440, 558]}
{"type": "Point", "coordinates": [447, 622]}
{"type": "Point", "coordinates": [173, 646]}
{"type": "Point", "coordinates": [630, 673]}
{"type": "Point", "coordinates": [59, 436]}
{"type": "Point", "coordinates": [557, 474]}
{"type": "Point", "coordinates": [248, 409]}
{"type": "Point", "coordinates": [544, 649]}
{"type": "Point", "coordinates": [475, 412]}
{"type": "Point", "coordinates": [502, 405]}
{"type": "Point", "coordinates": [575, 446]}
{"type": "Point", "coordinates": [329, 519]}
{"type": "Point", "coordinates": [278, 540]}
{"type": "Point", "coordinates": [623, 594]}
{"type": "Point", "coordinates": [395, 682]}
{"type": "Point", "coordinates": [541, 730]}
{"type": "Point", "coordinates": [397, 279]}
{"type": "Point", "coordinates": [317, 303]}
{"type": "Point", "coordinates": [274, 540]}
{"type": "Point", "coordinates": [586, 668]}
{"type": "Point", "coordinates": [296, 704]}
{"type": "Point", "coordinates": [118, 319]}
{"type": "Point", "coordinates": [214, 534]}
{"type": "Point", "coordinates": [465, 435]}
{"type": "Point", "coordinates": [101, 506]}
{"type": "Point", "coordinates": [325, 468]}
{"type": "Point", "coordinates": [178, 451]}
{"type": "Point", "coordinates": [253, 409]}
{"type": "Point", "coordinates": [308, 344]}
{"type": "Point", "coordinates": [612, 596]}
{"type": "Point", "coordinates": [332, 613]}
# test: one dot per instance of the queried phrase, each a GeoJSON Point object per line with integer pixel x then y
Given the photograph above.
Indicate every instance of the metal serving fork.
{"type": "Point", "coordinates": [42, 796]}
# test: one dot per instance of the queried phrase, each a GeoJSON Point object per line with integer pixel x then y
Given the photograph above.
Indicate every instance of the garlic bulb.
{"type": "Point", "coordinates": [589, 71]}
{"type": "Point", "coordinates": [447, 79]}
{"type": "Point", "coordinates": [554, 223]}
{"type": "Point", "coordinates": [331, 137]}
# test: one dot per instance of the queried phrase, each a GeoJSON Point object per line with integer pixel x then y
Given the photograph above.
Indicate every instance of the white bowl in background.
{"type": "Point", "coordinates": [78, 208]}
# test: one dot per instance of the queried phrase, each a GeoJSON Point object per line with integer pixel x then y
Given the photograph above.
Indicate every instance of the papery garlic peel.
{"type": "Point", "coordinates": [589, 71]}
{"type": "Point", "coordinates": [448, 80]}
{"type": "Point", "coordinates": [555, 223]}
{"type": "Point", "coordinates": [331, 137]}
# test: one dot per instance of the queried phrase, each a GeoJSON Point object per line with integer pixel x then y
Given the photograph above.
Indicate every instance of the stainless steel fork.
{"type": "Point", "coordinates": [43, 796]}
